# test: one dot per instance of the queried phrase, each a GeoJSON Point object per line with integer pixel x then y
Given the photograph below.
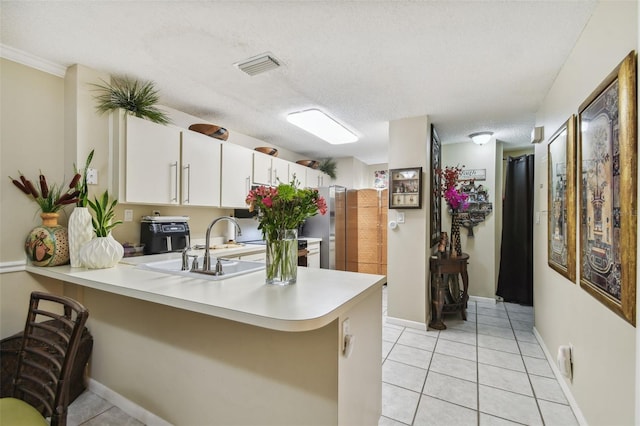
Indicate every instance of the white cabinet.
{"type": "Point", "coordinates": [313, 255]}
{"type": "Point", "coordinates": [152, 161]}
{"type": "Point", "coordinates": [316, 179]}
{"type": "Point", "coordinates": [300, 173]}
{"type": "Point", "coordinates": [200, 170]}
{"type": "Point", "coordinates": [235, 178]}
{"type": "Point", "coordinates": [279, 171]}
{"type": "Point", "coordinates": [268, 170]}
{"type": "Point", "coordinates": [154, 172]}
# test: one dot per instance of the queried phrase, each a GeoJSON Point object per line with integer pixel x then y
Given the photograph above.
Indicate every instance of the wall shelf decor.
{"type": "Point", "coordinates": [479, 206]}
{"type": "Point", "coordinates": [406, 188]}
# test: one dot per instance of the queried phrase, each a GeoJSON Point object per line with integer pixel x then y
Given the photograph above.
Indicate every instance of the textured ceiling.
{"type": "Point", "coordinates": [469, 65]}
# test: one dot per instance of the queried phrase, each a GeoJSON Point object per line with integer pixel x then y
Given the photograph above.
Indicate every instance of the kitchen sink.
{"type": "Point", "coordinates": [230, 268]}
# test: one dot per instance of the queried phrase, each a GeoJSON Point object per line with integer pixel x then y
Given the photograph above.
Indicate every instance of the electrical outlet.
{"type": "Point", "coordinates": [92, 176]}
{"type": "Point", "coordinates": [128, 215]}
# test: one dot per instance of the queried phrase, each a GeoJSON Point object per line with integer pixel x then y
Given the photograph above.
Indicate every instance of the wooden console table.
{"type": "Point", "coordinates": [442, 267]}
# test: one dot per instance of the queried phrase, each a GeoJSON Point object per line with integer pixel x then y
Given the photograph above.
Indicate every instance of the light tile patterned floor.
{"type": "Point", "coordinates": [488, 370]}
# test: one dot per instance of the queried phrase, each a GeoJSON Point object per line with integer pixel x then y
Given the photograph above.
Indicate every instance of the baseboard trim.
{"type": "Point", "coordinates": [12, 266]}
{"type": "Point", "coordinates": [483, 299]}
{"type": "Point", "coordinates": [406, 323]}
{"type": "Point", "coordinates": [561, 380]}
{"type": "Point", "coordinates": [126, 405]}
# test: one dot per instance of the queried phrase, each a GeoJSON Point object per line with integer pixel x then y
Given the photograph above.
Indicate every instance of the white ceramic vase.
{"type": "Point", "coordinates": [80, 231]}
{"type": "Point", "coordinates": [101, 252]}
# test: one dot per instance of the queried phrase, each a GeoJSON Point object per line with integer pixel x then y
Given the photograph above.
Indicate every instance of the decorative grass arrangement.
{"type": "Point", "coordinates": [137, 97]}
{"type": "Point", "coordinates": [328, 166]}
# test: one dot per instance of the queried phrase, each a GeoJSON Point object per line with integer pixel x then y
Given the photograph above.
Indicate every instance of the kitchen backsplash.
{"type": "Point", "coordinates": [199, 219]}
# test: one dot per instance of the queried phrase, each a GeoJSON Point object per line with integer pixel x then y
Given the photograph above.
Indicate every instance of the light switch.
{"type": "Point", "coordinates": [400, 217]}
{"type": "Point", "coordinates": [128, 215]}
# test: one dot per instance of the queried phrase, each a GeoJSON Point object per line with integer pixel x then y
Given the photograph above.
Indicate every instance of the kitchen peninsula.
{"type": "Point", "coordinates": [236, 351]}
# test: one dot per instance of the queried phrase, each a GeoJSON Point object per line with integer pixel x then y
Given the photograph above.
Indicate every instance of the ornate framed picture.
{"type": "Point", "coordinates": [561, 174]}
{"type": "Point", "coordinates": [608, 190]}
{"type": "Point", "coordinates": [436, 207]}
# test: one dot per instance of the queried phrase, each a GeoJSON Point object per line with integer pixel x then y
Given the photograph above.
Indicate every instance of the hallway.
{"type": "Point", "coordinates": [490, 366]}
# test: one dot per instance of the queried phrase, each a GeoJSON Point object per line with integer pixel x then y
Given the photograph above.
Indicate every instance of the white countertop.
{"type": "Point", "coordinates": [319, 296]}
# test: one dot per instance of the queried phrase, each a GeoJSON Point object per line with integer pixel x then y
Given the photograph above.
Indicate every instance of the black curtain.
{"type": "Point", "coordinates": [515, 279]}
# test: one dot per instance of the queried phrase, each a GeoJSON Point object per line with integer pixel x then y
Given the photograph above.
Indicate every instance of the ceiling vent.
{"type": "Point", "coordinates": [258, 64]}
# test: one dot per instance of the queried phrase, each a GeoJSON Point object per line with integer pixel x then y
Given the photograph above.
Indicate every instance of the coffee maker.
{"type": "Point", "coordinates": [163, 234]}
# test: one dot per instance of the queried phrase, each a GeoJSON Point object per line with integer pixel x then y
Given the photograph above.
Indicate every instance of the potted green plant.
{"type": "Point", "coordinates": [103, 251]}
{"type": "Point", "coordinates": [328, 166]}
{"type": "Point", "coordinates": [137, 97]}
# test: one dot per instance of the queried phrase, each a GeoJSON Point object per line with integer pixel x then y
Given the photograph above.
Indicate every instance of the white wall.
{"type": "Point", "coordinates": [408, 245]}
{"type": "Point", "coordinates": [481, 248]}
{"type": "Point", "coordinates": [605, 355]}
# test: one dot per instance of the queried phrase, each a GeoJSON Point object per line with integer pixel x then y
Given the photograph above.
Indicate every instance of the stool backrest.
{"type": "Point", "coordinates": [49, 346]}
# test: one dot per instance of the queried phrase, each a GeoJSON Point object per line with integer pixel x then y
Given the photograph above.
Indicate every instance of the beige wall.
{"type": "Point", "coordinates": [31, 139]}
{"type": "Point", "coordinates": [480, 248]}
{"type": "Point", "coordinates": [605, 355]}
{"type": "Point", "coordinates": [408, 245]}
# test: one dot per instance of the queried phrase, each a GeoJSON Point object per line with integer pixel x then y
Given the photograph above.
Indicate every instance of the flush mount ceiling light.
{"type": "Point", "coordinates": [481, 138]}
{"type": "Point", "coordinates": [321, 125]}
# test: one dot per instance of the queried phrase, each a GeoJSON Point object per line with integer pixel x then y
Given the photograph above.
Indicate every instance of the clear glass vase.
{"type": "Point", "coordinates": [282, 258]}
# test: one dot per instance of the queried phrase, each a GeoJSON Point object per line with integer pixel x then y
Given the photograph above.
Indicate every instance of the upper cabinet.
{"type": "Point", "coordinates": [268, 170]}
{"type": "Point", "coordinates": [237, 162]}
{"type": "Point", "coordinates": [167, 165]}
{"type": "Point", "coordinates": [200, 169]}
{"type": "Point", "coordinates": [299, 172]}
{"type": "Point", "coordinates": [316, 178]}
{"type": "Point", "coordinates": [152, 162]}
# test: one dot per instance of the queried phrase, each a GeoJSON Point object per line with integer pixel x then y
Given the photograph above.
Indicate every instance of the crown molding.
{"type": "Point", "coordinates": [25, 58]}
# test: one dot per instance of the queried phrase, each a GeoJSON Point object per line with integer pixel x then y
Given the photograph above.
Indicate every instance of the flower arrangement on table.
{"type": "Point", "coordinates": [456, 199]}
{"type": "Point", "coordinates": [450, 189]}
{"type": "Point", "coordinates": [281, 209]}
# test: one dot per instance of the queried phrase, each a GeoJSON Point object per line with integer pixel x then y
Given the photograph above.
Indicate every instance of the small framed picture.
{"type": "Point", "coordinates": [406, 188]}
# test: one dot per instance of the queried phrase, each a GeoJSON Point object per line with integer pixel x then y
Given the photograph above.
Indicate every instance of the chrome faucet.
{"type": "Point", "coordinates": [185, 259]}
{"type": "Point", "coordinates": [206, 266]}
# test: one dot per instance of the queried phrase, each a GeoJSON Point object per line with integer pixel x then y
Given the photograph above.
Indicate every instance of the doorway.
{"type": "Point", "coordinates": [515, 279]}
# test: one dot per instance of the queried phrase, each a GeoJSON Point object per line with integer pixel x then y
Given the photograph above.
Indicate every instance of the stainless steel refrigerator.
{"type": "Point", "coordinates": [331, 227]}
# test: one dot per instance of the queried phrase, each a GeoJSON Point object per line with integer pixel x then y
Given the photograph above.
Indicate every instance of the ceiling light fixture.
{"type": "Point", "coordinates": [481, 138]}
{"type": "Point", "coordinates": [321, 125]}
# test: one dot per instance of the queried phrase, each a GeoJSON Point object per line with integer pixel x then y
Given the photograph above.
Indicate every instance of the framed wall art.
{"type": "Point", "coordinates": [608, 188]}
{"type": "Point", "coordinates": [406, 188]}
{"type": "Point", "coordinates": [436, 208]}
{"type": "Point", "coordinates": [561, 174]}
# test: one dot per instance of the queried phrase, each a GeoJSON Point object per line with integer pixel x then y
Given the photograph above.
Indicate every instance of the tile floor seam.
{"type": "Point", "coordinates": [97, 415]}
{"type": "Point", "coordinates": [533, 390]}
{"type": "Point", "coordinates": [426, 376]}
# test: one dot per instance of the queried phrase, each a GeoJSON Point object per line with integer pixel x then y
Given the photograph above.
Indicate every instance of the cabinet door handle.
{"type": "Point", "coordinates": [187, 199]}
{"type": "Point", "coordinates": [175, 176]}
{"type": "Point", "coordinates": [248, 184]}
